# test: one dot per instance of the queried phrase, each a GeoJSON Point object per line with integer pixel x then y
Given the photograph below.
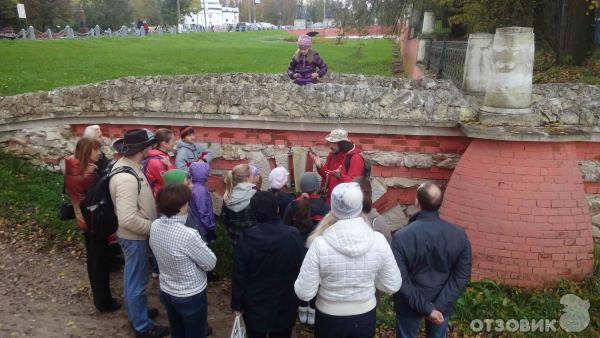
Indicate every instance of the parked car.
{"type": "Point", "coordinates": [242, 27]}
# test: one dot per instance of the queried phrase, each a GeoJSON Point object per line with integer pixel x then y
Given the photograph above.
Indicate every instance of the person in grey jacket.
{"type": "Point", "coordinates": [188, 151]}
{"type": "Point", "coordinates": [434, 257]}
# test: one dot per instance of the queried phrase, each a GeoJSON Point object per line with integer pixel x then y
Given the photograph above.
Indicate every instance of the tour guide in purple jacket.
{"type": "Point", "coordinates": [303, 68]}
{"type": "Point", "coordinates": [201, 202]}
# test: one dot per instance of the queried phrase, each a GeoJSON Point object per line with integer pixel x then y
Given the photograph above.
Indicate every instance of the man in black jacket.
{"type": "Point", "coordinates": [267, 261]}
{"type": "Point", "coordinates": [434, 258]}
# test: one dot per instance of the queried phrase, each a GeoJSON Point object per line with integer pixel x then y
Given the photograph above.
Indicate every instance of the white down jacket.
{"type": "Point", "coordinates": [348, 261]}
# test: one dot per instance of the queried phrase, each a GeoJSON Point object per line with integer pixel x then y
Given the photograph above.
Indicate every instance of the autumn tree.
{"type": "Point", "coordinates": [8, 14]}
{"type": "Point", "coordinates": [107, 13]}
{"type": "Point", "coordinates": [148, 10]}
{"type": "Point", "coordinates": [43, 14]}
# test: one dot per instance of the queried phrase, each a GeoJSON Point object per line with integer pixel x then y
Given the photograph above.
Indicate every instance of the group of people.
{"type": "Point", "coordinates": [321, 256]}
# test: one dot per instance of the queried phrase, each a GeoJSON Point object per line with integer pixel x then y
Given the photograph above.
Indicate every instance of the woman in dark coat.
{"type": "Point", "coordinates": [267, 261]}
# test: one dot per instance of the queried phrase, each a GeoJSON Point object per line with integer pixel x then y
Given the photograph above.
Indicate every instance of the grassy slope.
{"type": "Point", "coordinates": [41, 65]}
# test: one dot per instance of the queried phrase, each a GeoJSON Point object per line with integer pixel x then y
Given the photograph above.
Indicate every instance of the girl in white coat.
{"type": "Point", "coordinates": [345, 263]}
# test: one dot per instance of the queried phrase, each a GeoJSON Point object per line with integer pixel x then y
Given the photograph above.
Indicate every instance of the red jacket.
{"type": "Point", "coordinates": [156, 168]}
{"type": "Point", "coordinates": [77, 184]}
{"type": "Point", "coordinates": [336, 161]}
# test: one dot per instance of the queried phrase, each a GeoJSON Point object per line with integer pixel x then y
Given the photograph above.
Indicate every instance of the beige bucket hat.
{"type": "Point", "coordinates": [337, 135]}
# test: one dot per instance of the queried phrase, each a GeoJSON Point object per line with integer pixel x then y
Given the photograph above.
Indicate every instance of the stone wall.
{"type": "Point", "coordinates": [374, 100]}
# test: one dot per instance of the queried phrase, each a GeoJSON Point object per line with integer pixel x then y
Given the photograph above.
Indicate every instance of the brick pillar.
{"type": "Point", "coordinates": [524, 208]}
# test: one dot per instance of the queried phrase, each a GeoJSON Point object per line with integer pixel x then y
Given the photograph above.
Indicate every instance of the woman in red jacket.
{"type": "Point", "coordinates": [80, 173]}
{"type": "Point", "coordinates": [158, 160]}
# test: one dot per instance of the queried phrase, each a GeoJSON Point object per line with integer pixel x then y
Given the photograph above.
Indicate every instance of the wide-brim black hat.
{"type": "Point", "coordinates": [135, 140]}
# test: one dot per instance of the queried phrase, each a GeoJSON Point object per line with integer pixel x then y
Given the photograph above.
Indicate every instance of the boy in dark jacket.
{"type": "Point", "coordinates": [434, 258]}
{"type": "Point", "coordinates": [305, 62]}
{"type": "Point", "coordinates": [267, 262]}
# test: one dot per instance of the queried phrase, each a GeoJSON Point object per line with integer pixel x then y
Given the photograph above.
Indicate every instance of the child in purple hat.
{"type": "Point", "coordinates": [305, 62]}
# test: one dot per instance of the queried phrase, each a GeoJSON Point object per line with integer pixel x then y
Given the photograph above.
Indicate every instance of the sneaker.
{"type": "Point", "coordinates": [311, 316]}
{"type": "Point", "coordinates": [152, 313]}
{"type": "Point", "coordinates": [303, 314]}
{"type": "Point", "coordinates": [156, 332]}
{"type": "Point", "coordinates": [155, 275]}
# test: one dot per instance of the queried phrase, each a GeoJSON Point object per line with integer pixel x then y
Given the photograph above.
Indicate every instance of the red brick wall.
{"type": "Point", "coordinates": [523, 206]}
{"type": "Point", "coordinates": [368, 142]}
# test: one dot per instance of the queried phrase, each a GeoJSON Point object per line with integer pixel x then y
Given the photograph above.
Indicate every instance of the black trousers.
{"type": "Point", "coordinates": [279, 334]}
{"type": "Point", "coordinates": [98, 267]}
{"type": "Point", "coordinates": [357, 326]}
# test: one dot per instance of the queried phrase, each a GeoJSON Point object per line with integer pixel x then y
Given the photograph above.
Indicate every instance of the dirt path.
{"type": "Point", "coordinates": [46, 294]}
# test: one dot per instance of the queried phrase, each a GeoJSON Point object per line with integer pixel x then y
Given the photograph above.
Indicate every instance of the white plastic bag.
{"type": "Point", "coordinates": [239, 329]}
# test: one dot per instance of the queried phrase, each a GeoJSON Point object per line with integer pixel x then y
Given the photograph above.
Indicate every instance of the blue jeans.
{"type": "Point", "coordinates": [187, 315]}
{"type": "Point", "coordinates": [357, 326]}
{"type": "Point", "coordinates": [407, 326]}
{"type": "Point", "coordinates": [135, 280]}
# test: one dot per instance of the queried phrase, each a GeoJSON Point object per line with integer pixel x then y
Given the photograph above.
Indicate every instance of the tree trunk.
{"type": "Point", "coordinates": [567, 28]}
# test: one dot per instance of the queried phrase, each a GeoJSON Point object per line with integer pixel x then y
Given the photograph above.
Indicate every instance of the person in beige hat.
{"type": "Point", "coordinates": [341, 165]}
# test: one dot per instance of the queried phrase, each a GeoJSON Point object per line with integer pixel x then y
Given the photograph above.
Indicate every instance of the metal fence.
{"type": "Point", "coordinates": [68, 33]}
{"type": "Point", "coordinates": [446, 59]}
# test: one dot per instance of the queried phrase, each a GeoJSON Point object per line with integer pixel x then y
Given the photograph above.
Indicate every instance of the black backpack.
{"type": "Point", "coordinates": [366, 169]}
{"type": "Point", "coordinates": [97, 207]}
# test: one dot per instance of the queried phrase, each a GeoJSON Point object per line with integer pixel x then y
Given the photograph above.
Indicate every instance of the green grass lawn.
{"type": "Point", "coordinates": [27, 66]}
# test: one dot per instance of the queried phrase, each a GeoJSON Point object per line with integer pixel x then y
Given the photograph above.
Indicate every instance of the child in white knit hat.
{"type": "Point", "coordinates": [278, 180]}
{"type": "Point", "coordinates": [346, 262]}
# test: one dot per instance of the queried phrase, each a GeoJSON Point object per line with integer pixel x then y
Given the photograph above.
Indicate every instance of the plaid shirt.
{"type": "Point", "coordinates": [183, 257]}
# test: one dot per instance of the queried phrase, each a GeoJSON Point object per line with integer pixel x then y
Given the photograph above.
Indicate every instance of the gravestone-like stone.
{"type": "Point", "coordinates": [31, 33]}
{"type": "Point", "coordinates": [299, 158]}
{"type": "Point", "coordinates": [69, 33]}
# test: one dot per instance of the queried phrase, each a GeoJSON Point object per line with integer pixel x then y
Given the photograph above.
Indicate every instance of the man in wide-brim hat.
{"type": "Point", "coordinates": [136, 210]}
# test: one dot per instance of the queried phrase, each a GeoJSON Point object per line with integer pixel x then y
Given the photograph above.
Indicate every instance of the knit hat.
{"type": "Point", "coordinates": [185, 131]}
{"type": "Point", "coordinates": [278, 178]}
{"type": "Point", "coordinates": [304, 41]}
{"type": "Point", "coordinates": [176, 176]}
{"type": "Point", "coordinates": [309, 182]}
{"type": "Point", "coordinates": [346, 200]}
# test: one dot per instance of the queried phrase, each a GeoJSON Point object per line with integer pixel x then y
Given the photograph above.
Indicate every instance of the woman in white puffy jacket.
{"type": "Point", "coordinates": [345, 262]}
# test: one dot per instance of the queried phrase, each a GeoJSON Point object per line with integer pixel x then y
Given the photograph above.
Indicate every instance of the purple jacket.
{"type": "Point", "coordinates": [305, 66]}
{"type": "Point", "coordinates": [201, 201]}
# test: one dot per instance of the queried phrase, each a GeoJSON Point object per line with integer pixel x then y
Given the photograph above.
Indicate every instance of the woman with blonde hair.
{"type": "Point", "coordinates": [345, 263]}
{"type": "Point", "coordinates": [236, 214]}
